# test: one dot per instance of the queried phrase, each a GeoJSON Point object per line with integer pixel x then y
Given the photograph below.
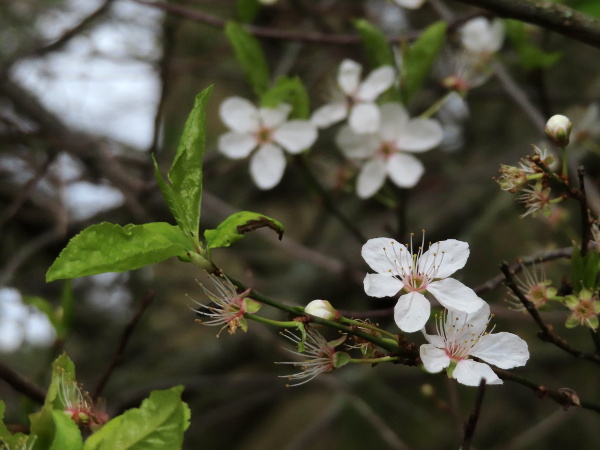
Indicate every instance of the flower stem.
{"type": "Point", "coordinates": [435, 107]}
{"type": "Point", "coordinates": [374, 360]}
{"type": "Point", "coordinates": [275, 323]}
{"type": "Point", "coordinates": [368, 326]}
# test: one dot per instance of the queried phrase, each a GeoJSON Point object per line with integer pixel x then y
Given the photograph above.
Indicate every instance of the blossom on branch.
{"type": "Point", "coordinates": [461, 335]}
{"type": "Point", "coordinates": [358, 101]}
{"type": "Point", "coordinates": [387, 152]}
{"type": "Point", "coordinates": [482, 37]}
{"type": "Point", "coordinates": [410, 4]}
{"type": "Point", "coordinates": [400, 269]}
{"type": "Point", "coordinates": [267, 131]}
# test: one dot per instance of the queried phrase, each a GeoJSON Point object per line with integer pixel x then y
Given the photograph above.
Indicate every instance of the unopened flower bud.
{"type": "Point", "coordinates": [321, 308]}
{"type": "Point", "coordinates": [558, 128]}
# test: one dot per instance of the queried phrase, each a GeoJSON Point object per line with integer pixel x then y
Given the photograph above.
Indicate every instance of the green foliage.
{"type": "Point", "coordinates": [247, 10]}
{"type": "Point", "coordinates": [54, 430]}
{"type": "Point", "coordinates": [590, 7]}
{"type": "Point", "coordinates": [250, 56]}
{"type": "Point", "coordinates": [289, 90]}
{"type": "Point", "coordinates": [111, 248]}
{"type": "Point", "coordinates": [584, 270]}
{"type": "Point", "coordinates": [378, 50]}
{"type": "Point", "coordinates": [63, 369]}
{"type": "Point", "coordinates": [185, 192]}
{"type": "Point", "coordinates": [158, 424]}
{"type": "Point", "coordinates": [530, 55]}
{"type": "Point", "coordinates": [235, 226]}
{"type": "Point", "coordinates": [418, 59]}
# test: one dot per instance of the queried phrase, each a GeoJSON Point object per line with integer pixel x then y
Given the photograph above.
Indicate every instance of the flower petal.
{"type": "Point", "coordinates": [496, 36]}
{"type": "Point", "coordinates": [504, 350]}
{"type": "Point", "coordinates": [329, 114]}
{"type": "Point", "coordinates": [364, 118]}
{"type": "Point", "coordinates": [267, 166]}
{"type": "Point", "coordinates": [410, 4]}
{"type": "Point", "coordinates": [356, 146]}
{"type": "Point", "coordinates": [378, 285]}
{"type": "Point", "coordinates": [470, 373]}
{"type": "Point", "coordinates": [453, 294]}
{"type": "Point", "coordinates": [349, 76]}
{"type": "Point", "coordinates": [381, 254]}
{"type": "Point", "coordinates": [295, 135]}
{"type": "Point", "coordinates": [412, 312]}
{"type": "Point", "coordinates": [236, 145]}
{"type": "Point", "coordinates": [404, 170]}
{"type": "Point", "coordinates": [434, 359]}
{"type": "Point", "coordinates": [239, 114]}
{"type": "Point", "coordinates": [445, 257]}
{"type": "Point", "coordinates": [394, 119]}
{"type": "Point", "coordinates": [420, 135]}
{"type": "Point", "coordinates": [273, 117]}
{"type": "Point", "coordinates": [478, 322]}
{"type": "Point", "coordinates": [378, 81]}
{"type": "Point", "coordinates": [371, 178]}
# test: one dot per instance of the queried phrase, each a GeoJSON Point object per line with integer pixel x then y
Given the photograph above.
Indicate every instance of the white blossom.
{"type": "Point", "coordinates": [387, 152]}
{"type": "Point", "coordinates": [358, 102]}
{"type": "Point", "coordinates": [460, 335]}
{"type": "Point", "coordinates": [481, 36]}
{"type": "Point", "coordinates": [410, 4]}
{"type": "Point", "coordinates": [268, 131]}
{"type": "Point", "coordinates": [400, 269]}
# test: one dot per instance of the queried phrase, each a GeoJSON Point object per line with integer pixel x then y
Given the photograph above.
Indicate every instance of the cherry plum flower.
{"type": "Point", "coordinates": [358, 102]}
{"type": "Point", "coordinates": [268, 131]}
{"type": "Point", "coordinates": [482, 36]}
{"type": "Point", "coordinates": [410, 4]}
{"type": "Point", "coordinates": [399, 269]}
{"type": "Point", "coordinates": [387, 152]}
{"type": "Point", "coordinates": [461, 335]}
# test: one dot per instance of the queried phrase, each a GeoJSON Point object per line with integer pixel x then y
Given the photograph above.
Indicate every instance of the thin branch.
{"type": "Point", "coordinates": [125, 337]}
{"type": "Point", "coordinates": [472, 422]}
{"type": "Point", "coordinates": [551, 16]}
{"type": "Point", "coordinates": [547, 333]}
{"type": "Point", "coordinates": [21, 384]}
{"type": "Point", "coordinates": [586, 226]}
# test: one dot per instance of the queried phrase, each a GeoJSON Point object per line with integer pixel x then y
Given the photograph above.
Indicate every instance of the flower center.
{"type": "Point", "coordinates": [387, 149]}
{"type": "Point", "coordinates": [263, 135]}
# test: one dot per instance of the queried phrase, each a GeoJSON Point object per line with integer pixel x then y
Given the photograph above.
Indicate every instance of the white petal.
{"type": "Point", "coordinates": [378, 81]}
{"type": "Point", "coordinates": [470, 373]}
{"type": "Point", "coordinates": [404, 170]}
{"type": "Point", "coordinates": [453, 294]}
{"type": "Point", "coordinates": [273, 117]}
{"type": "Point", "coordinates": [420, 135]}
{"type": "Point", "coordinates": [267, 166]}
{"type": "Point", "coordinates": [504, 350]}
{"type": "Point", "coordinates": [371, 178]}
{"type": "Point", "coordinates": [478, 321]}
{"type": "Point", "coordinates": [380, 254]}
{"type": "Point", "coordinates": [444, 257]}
{"type": "Point", "coordinates": [349, 76]}
{"type": "Point", "coordinates": [496, 36]}
{"type": "Point", "coordinates": [434, 359]}
{"type": "Point", "coordinates": [435, 340]}
{"type": "Point", "coordinates": [239, 114]}
{"type": "Point", "coordinates": [412, 312]}
{"type": "Point", "coordinates": [356, 146]}
{"type": "Point", "coordinates": [364, 118]}
{"type": "Point", "coordinates": [378, 285]}
{"type": "Point", "coordinates": [295, 135]}
{"type": "Point", "coordinates": [329, 114]}
{"type": "Point", "coordinates": [237, 145]}
{"type": "Point", "coordinates": [393, 120]}
{"type": "Point", "coordinates": [410, 4]}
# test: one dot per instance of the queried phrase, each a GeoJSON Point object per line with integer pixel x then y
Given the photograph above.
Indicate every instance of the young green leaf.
{"type": "Point", "coordinates": [250, 56]}
{"type": "Point", "coordinates": [584, 270]}
{"type": "Point", "coordinates": [247, 10]}
{"type": "Point", "coordinates": [157, 424]}
{"type": "Point", "coordinates": [376, 45]}
{"type": "Point", "coordinates": [235, 226]}
{"type": "Point", "coordinates": [291, 91]}
{"type": "Point", "coordinates": [63, 369]}
{"type": "Point", "coordinates": [106, 247]}
{"type": "Point", "coordinates": [54, 430]}
{"type": "Point", "coordinates": [419, 57]}
{"type": "Point", "coordinates": [530, 56]}
{"type": "Point", "coordinates": [185, 192]}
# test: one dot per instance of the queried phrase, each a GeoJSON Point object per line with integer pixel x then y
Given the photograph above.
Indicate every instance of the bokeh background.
{"type": "Point", "coordinates": [89, 89]}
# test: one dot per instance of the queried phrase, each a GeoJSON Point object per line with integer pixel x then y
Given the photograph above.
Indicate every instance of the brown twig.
{"type": "Point", "coordinates": [125, 337]}
{"type": "Point", "coordinates": [472, 422]}
{"type": "Point", "coordinates": [586, 226]}
{"type": "Point", "coordinates": [547, 333]}
{"type": "Point", "coordinates": [21, 384]}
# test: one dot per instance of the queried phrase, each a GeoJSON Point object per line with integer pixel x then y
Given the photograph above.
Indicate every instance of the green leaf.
{"type": "Point", "coordinates": [250, 56]}
{"type": "Point", "coordinates": [63, 369]}
{"type": "Point", "coordinates": [185, 192]}
{"type": "Point", "coordinates": [54, 430]}
{"type": "Point", "coordinates": [376, 45]}
{"type": "Point", "coordinates": [158, 424]}
{"type": "Point", "coordinates": [247, 10]}
{"type": "Point", "coordinates": [590, 7]}
{"type": "Point", "coordinates": [584, 270]}
{"type": "Point", "coordinates": [530, 56]}
{"type": "Point", "coordinates": [235, 226]}
{"type": "Point", "coordinates": [111, 248]}
{"type": "Point", "coordinates": [419, 58]}
{"type": "Point", "coordinates": [291, 91]}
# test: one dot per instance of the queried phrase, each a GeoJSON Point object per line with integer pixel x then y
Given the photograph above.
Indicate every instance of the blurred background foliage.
{"type": "Point", "coordinates": [48, 47]}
